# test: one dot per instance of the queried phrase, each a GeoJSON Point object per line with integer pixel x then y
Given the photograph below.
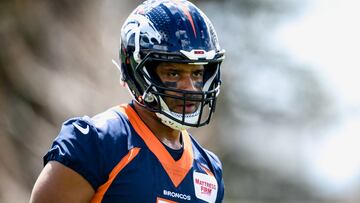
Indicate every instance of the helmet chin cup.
{"type": "Point", "coordinates": [172, 118]}
{"type": "Point", "coordinates": [171, 123]}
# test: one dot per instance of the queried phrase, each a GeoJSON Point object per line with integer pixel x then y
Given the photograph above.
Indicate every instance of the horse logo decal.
{"type": "Point", "coordinates": [143, 29]}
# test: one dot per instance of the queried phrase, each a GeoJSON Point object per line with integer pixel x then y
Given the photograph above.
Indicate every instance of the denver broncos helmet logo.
{"type": "Point", "coordinates": [144, 31]}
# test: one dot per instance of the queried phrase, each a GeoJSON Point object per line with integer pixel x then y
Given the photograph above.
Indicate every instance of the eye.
{"type": "Point", "coordinates": [198, 73]}
{"type": "Point", "coordinates": [172, 74]}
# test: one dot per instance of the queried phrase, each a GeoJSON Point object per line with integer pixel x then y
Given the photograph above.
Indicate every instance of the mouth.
{"type": "Point", "coordinates": [190, 107]}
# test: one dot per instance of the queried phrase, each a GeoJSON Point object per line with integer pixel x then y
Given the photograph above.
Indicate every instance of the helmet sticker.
{"type": "Point", "coordinates": [142, 27]}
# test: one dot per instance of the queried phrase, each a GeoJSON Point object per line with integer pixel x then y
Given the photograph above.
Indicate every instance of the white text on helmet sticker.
{"type": "Point", "coordinates": [198, 54]}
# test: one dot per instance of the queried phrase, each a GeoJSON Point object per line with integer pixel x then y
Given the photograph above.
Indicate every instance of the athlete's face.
{"type": "Point", "coordinates": [182, 77]}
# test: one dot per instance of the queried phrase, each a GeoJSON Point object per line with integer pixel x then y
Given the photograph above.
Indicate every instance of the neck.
{"type": "Point", "coordinates": [165, 134]}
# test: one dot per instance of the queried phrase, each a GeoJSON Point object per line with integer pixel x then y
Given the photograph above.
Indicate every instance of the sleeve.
{"type": "Point", "coordinates": [78, 147]}
{"type": "Point", "coordinates": [217, 165]}
{"type": "Point", "coordinates": [221, 191]}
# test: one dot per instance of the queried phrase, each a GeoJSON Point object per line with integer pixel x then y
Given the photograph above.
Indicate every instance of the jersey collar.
{"type": "Point", "coordinates": [176, 170]}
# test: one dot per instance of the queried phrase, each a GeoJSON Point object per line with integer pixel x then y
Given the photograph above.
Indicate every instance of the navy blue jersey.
{"type": "Point", "coordinates": [124, 162]}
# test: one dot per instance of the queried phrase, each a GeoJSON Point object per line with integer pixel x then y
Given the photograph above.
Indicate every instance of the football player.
{"type": "Point", "coordinates": [141, 151]}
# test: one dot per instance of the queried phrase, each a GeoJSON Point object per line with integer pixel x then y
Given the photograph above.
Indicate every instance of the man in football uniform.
{"type": "Point", "coordinates": [141, 152]}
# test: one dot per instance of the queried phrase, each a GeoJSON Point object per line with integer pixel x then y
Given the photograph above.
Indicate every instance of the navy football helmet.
{"type": "Point", "coordinates": [174, 31]}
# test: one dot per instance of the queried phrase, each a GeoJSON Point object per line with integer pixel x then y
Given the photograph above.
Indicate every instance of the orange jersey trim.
{"type": "Point", "coordinates": [176, 170]}
{"type": "Point", "coordinates": [161, 200]}
{"type": "Point", "coordinates": [97, 198]}
{"type": "Point", "coordinates": [207, 171]}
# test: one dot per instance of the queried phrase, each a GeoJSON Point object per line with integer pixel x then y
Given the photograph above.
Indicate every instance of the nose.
{"type": "Point", "coordinates": [188, 83]}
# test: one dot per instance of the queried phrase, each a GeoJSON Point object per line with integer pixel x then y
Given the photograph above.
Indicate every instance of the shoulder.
{"type": "Point", "coordinates": [104, 127]}
{"type": "Point", "coordinates": [111, 124]}
{"type": "Point", "coordinates": [211, 157]}
{"type": "Point", "coordinates": [214, 159]}
{"type": "Point", "coordinates": [92, 146]}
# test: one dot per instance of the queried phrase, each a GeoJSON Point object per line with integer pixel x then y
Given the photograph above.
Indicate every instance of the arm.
{"type": "Point", "coordinates": [58, 183]}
